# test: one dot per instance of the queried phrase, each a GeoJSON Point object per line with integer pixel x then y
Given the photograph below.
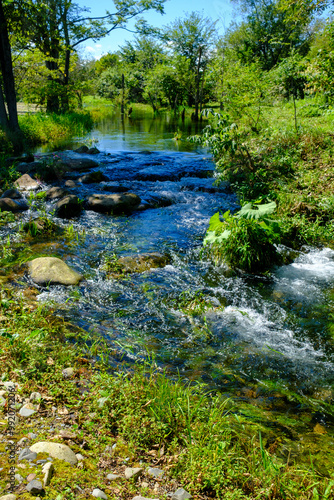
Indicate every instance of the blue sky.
{"type": "Point", "coordinates": [221, 10]}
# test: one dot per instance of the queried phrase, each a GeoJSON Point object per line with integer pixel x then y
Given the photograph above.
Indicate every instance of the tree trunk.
{"type": "Point", "coordinates": [3, 112]}
{"type": "Point", "coordinates": [8, 76]}
{"type": "Point", "coordinates": [123, 87]}
{"type": "Point", "coordinates": [198, 81]}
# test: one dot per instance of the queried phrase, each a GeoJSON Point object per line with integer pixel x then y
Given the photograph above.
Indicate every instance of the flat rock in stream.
{"type": "Point", "coordinates": [80, 164]}
{"type": "Point", "coordinates": [53, 271]}
{"type": "Point", "coordinates": [113, 203]}
{"type": "Point", "coordinates": [9, 205]}
{"type": "Point", "coordinates": [56, 192]}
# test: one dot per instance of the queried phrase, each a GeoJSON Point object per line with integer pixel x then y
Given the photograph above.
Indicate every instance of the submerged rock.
{"type": "Point", "coordinates": [113, 203]}
{"type": "Point", "coordinates": [96, 176]}
{"type": "Point", "coordinates": [55, 450]}
{"type": "Point", "coordinates": [68, 207]}
{"type": "Point", "coordinates": [10, 205]}
{"type": "Point", "coordinates": [53, 271]}
{"type": "Point", "coordinates": [142, 262]}
{"type": "Point", "coordinates": [114, 187]}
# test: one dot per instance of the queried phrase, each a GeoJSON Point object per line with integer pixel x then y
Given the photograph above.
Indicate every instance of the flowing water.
{"type": "Point", "coordinates": [256, 338]}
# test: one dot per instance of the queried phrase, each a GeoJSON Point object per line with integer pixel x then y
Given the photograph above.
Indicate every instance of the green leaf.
{"type": "Point", "coordinates": [211, 237]}
{"type": "Point", "coordinates": [250, 211]}
{"type": "Point", "coordinates": [215, 223]}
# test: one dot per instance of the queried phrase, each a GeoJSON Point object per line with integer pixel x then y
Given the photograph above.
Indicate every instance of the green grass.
{"type": "Point", "coordinates": [42, 128]}
{"type": "Point", "coordinates": [208, 446]}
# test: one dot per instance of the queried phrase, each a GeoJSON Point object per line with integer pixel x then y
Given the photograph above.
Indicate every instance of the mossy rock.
{"type": "Point", "coordinates": [137, 263]}
{"type": "Point", "coordinates": [42, 226]}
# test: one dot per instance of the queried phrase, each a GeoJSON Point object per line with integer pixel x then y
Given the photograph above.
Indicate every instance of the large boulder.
{"type": "Point", "coordinates": [113, 203]}
{"type": "Point", "coordinates": [53, 271]}
{"type": "Point", "coordinates": [26, 183]}
{"type": "Point", "coordinates": [68, 207]}
{"type": "Point", "coordinates": [9, 205]}
{"type": "Point", "coordinates": [55, 450]}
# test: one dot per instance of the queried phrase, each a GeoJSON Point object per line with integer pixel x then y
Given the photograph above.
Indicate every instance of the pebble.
{"type": "Point", "coordinates": [8, 497]}
{"type": "Point", "coordinates": [19, 478]}
{"type": "Point", "coordinates": [27, 454]}
{"type": "Point", "coordinates": [79, 457]}
{"type": "Point", "coordinates": [2, 393]}
{"type": "Point", "coordinates": [133, 472]}
{"type": "Point", "coordinates": [153, 472]}
{"type": "Point", "coordinates": [27, 410]}
{"type": "Point", "coordinates": [139, 497]}
{"type": "Point", "coordinates": [48, 470]}
{"type": "Point", "coordinates": [31, 477]}
{"type": "Point", "coordinates": [9, 386]}
{"type": "Point", "coordinates": [97, 493]}
{"type": "Point", "coordinates": [68, 372]}
{"type": "Point", "coordinates": [22, 441]}
{"type": "Point", "coordinates": [34, 487]}
{"type": "Point", "coordinates": [35, 396]}
{"type": "Point", "coordinates": [144, 484]}
{"type": "Point", "coordinates": [181, 494]}
{"type": "Point", "coordinates": [112, 477]}
{"type": "Point", "coordinates": [31, 435]}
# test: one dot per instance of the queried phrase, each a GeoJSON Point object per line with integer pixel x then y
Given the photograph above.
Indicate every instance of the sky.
{"type": "Point", "coordinates": [221, 10]}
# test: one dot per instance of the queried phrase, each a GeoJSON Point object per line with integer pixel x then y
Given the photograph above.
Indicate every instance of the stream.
{"type": "Point", "coordinates": [263, 340]}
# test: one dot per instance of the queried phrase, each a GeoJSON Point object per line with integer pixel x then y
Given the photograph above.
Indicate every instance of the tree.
{"type": "Point", "coordinates": [193, 39]}
{"type": "Point", "coordinates": [57, 27]}
{"type": "Point", "coordinates": [8, 117]}
{"type": "Point", "coordinates": [270, 31]}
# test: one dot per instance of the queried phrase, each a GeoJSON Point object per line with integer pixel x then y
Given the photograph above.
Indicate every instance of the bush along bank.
{"type": "Point", "coordinates": [288, 167]}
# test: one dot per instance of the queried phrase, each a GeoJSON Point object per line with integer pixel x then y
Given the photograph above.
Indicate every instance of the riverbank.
{"type": "Point", "coordinates": [40, 128]}
{"type": "Point", "coordinates": [291, 166]}
{"type": "Point", "coordinates": [120, 422]}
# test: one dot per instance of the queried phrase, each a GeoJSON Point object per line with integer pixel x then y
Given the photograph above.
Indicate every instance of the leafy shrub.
{"type": "Point", "coordinates": [244, 241]}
